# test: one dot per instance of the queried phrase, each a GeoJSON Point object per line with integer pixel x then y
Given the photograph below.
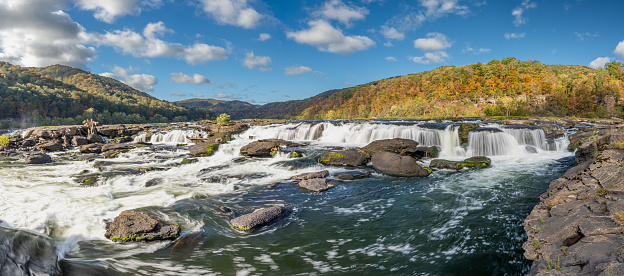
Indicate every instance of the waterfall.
{"type": "Point", "coordinates": [528, 136]}
{"type": "Point", "coordinates": [486, 143]}
{"type": "Point", "coordinates": [174, 136]}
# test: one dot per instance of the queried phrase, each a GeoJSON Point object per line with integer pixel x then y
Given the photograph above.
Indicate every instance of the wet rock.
{"type": "Point", "coordinates": [226, 211]}
{"type": "Point", "coordinates": [188, 161]}
{"type": "Point", "coordinates": [203, 149]}
{"type": "Point", "coordinates": [315, 184]}
{"type": "Point", "coordinates": [486, 129]}
{"type": "Point", "coordinates": [88, 180]}
{"type": "Point", "coordinates": [184, 246]}
{"type": "Point", "coordinates": [79, 141]}
{"type": "Point", "coordinates": [153, 182]}
{"type": "Point", "coordinates": [24, 253]}
{"type": "Point", "coordinates": [259, 218]}
{"type": "Point", "coordinates": [101, 164]}
{"type": "Point", "coordinates": [305, 176]}
{"type": "Point", "coordinates": [350, 157]}
{"type": "Point", "coordinates": [118, 147]}
{"type": "Point", "coordinates": [38, 158]}
{"type": "Point", "coordinates": [28, 143]}
{"type": "Point", "coordinates": [295, 154]}
{"type": "Point", "coordinates": [91, 148]}
{"type": "Point", "coordinates": [352, 175]}
{"type": "Point", "coordinates": [463, 131]}
{"type": "Point", "coordinates": [267, 147]}
{"type": "Point", "coordinates": [476, 162]}
{"type": "Point", "coordinates": [51, 146]}
{"type": "Point", "coordinates": [112, 131]}
{"type": "Point", "coordinates": [431, 152]}
{"type": "Point", "coordinates": [94, 138]}
{"type": "Point", "coordinates": [399, 146]}
{"type": "Point", "coordinates": [135, 226]}
{"type": "Point", "coordinates": [397, 165]}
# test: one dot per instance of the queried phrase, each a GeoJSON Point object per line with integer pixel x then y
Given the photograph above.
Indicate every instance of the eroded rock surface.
{"type": "Point", "coordinates": [399, 146]}
{"type": "Point", "coordinates": [350, 157]}
{"type": "Point", "coordinates": [259, 218]}
{"type": "Point", "coordinates": [135, 226]}
{"type": "Point", "coordinates": [393, 164]}
{"type": "Point", "coordinates": [266, 147]}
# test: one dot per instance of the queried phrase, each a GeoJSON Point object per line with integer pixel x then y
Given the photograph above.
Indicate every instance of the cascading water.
{"type": "Point", "coordinates": [171, 137]}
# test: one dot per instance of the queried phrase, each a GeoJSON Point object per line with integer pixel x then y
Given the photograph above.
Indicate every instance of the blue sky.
{"type": "Point", "coordinates": [267, 51]}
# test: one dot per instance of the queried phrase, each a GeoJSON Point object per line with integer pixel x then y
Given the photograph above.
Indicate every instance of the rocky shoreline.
{"type": "Point", "coordinates": [578, 226]}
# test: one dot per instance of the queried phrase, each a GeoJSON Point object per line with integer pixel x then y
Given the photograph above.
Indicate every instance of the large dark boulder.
{"type": "Point", "coordinates": [350, 157]}
{"type": "Point", "coordinates": [266, 147]}
{"type": "Point", "coordinates": [399, 146]}
{"type": "Point", "coordinates": [393, 164]}
{"type": "Point", "coordinates": [23, 253]}
{"type": "Point", "coordinates": [477, 162]}
{"type": "Point", "coordinates": [135, 226]}
{"type": "Point", "coordinates": [203, 149]}
{"type": "Point", "coordinates": [315, 184]}
{"type": "Point", "coordinates": [38, 158]}
{"type": "Point", "coordinates": [259, 218]}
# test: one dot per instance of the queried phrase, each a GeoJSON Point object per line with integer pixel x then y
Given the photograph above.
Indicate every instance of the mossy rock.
{"type": "Point", "coordinates": [203, 150]}
{"type": "Point", "coordinates": [188, 161]}
{"type": "Point", "coordinates": [477, 162]}
{"type": "Point", "coordinates": [350, 157]}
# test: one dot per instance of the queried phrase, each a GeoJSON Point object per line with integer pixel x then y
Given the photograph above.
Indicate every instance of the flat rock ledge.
{"type": "Point", "coordinates": [134, 226]}
{"type": "Point", "coordinates": [252, 221]}
{"type": "Point", "coordinates": [577, 228]}
{"type": "Point", "coordinates": [476, 162]}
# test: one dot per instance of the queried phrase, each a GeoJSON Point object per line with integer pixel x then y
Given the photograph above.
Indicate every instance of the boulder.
{"type": "Point", "coordinates": [25, 253]}
{"type": "Point", "coordinates": [266, 147]}
{"type": "Point", "coordinates": [463, 131]}
{"type": "Point", "coordinates": [38, 158]}
{"type": "Point", "coordinates": [397, 165]}
{"type": "Point", "coordinates": [91, 148]}
{"type": "Point", "coordinates": [79, 141]}
{"type": "Point", "coordinates": [94, 138]}
{"type": "Point", "coordinates": [135, 226]}
{"type": "Point", "coordinates": [203, 149]}
{"type": "Point", "coordinates": [431, 151]}
{"type": "Point", "coordinates": [118, 147]}
{"type": "Point", "coordinates": [305, 176]}
{"type": "Point", "coordinates": [28, 143]}
{"type": "Point", "coordinates": [112, 131]}
{"type": "Point", "coordinates": [259, 218]}
{"type": "Point", "coordinates": [315, 184]}
{"type": "Point", "coordinates": [51, 146]}
{"type": "Point", "coordinates": [477, 162]}
{"type": "Point", "coordinates": [352, 175]}
{"type": "Point", "coordinates": [406, 147]}
{"type": "Point", "coordinates": [350, 157]}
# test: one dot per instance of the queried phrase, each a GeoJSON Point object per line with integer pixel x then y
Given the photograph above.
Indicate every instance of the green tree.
{"type": "Point", "coordinates": [223, 119]}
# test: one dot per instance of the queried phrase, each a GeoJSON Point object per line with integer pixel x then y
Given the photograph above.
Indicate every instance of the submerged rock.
{"type": "Point", "coordinates": [406, 147]}
{"type": "Point", "coordinates": [259, 218]}
{"type": "Point", "coordinates": [350, 157]}
{"type": "Point", "coordinates": [315, 184]}
{"type": "Point", "coordinates": [38, 158]}
{"type": "Point", "coordinates": [397, 165]}
{"type": "Point", "coordinates": [352, 175]}
{"type": "Point", "coordinates": [23, 253]}
{"type": "Point", "coordinates": [266, 147]}
{"type": "Point", "coordinates": [135, 226]}
{"type": "Point", "coordinates": [476, 162]}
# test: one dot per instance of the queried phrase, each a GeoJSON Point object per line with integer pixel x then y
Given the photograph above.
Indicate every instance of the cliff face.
{"type": "Point", "coordinates": [577, 228]}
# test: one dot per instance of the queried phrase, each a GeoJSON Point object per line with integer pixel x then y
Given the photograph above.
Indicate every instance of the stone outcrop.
{"type": "Point", "coordinates": [406, 147]}
{"type": "Point", "coordinates": [315, 184]}
{"type": "Point", "coordinates": [259, 218]}
{"type": "Point", "coordinates": [91, 148]}
{"type": "Point", "coordinates": [267, 147]}
{"type": "Point", "coordinates": [393, 164]}
{"type": "Point", "coordinates": [38, 158]}
{"type": "Point", "coordinates": [476, 162]}
{"type": "Point", "coordinates": [350, 157]}
{"type": "Point", "coordinates": [577, 227]}
{"type": "Point", "coordinates": [203, 149]}
{"type": "Point", "coordinates": [135, 226]}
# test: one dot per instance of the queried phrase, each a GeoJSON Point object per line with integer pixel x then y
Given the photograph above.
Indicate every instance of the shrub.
{"type": "Point", "coordinates": [4, 140]}
{"type": "Point", "coordinates": [223, 119]}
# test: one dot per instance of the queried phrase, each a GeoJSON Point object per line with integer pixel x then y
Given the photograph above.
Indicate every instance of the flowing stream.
{"type": "Point", "coordinates": [450, 223]}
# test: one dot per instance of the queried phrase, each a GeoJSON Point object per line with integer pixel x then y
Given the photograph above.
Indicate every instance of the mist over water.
{"type": "Point", "coordinates": [450, 223]}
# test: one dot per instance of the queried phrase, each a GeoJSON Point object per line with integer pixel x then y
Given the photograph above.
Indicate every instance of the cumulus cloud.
{"type": "Point", "coordinates": [264, 37]}
{"type": "Point", "coordinates": [514, 35]}
{"type": "Point", "coordinates": [183, 78]}
{"type": "Point", "coordinates": [37, 33]}
{"type": "Point", "coordinates": [433, 42]}
{"type": "Point", "coordinates": [391, 33]}
{"type": "Point", "coordinates": [141, 82]}
{"type": "Point", "coordinates": [149, 45]}
{"type": "Point", "coordinates": [329, 39]}
{"type": "Point", "coordinates": [109, 10]}
{"type": "Point", "coordinates": [518, 12]}
{"type": "Point", "coordinates": [411, 19]}
{"type": "Point", "coordinates": [232, 12]}
{"type": "Point", "coordinates": [259, 63]}
{"type": "Point", "coordinates": [338, 10]}
{"type": "Point", "coordinates": [390, 59]}
{"type": "Point", "coordinates": [599, 62]}
{"type": "Point", "coordinates": [619, 49]}
{"type": "Point", "coordinates": [439, 8]}
{"type": "Point", "coordinates": [431, 58]}
{"type": "Point", "coordinates": [297, 70]}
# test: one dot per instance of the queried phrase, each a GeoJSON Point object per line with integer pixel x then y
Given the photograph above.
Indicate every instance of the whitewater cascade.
{"type": "Point", "coordinates": [507, 141]}
{"type": "Point", "coordinates": [173, 137]}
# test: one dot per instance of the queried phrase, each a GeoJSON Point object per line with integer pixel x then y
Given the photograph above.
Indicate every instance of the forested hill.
{"type": "Point", "coordinates": [61, 94]}
{"type": "Point", "coordinates": [507, 87]}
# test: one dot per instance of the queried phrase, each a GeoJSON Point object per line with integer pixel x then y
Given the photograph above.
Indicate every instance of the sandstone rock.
{"type": "Point", "coordinates": [259, 218]}
{"type": "Point", "coordinates": [38, 158]}
{"type": "Point", "coordinates": [305, 176]}
{"type": "Point", "coordinates": [135, 226]}
{"type": "Point", "coordinates": [112, 131]}
{"type": "Point", "coordinates": [91, 148]}
{"type": "Point", "coordinates": [315, 184]}
{"type": "Point", "coordinates": [51, 146]}
{"type": "Point", "coordinates": [350, 157]}
{"type": "Point", "coordinates": [28, 143]}
{"type": "Point", "coordinates": [118, 147]}
{"type": "Point", "coordinates": [476, 162]}
{"type": "Point", "coordinates": [266, 147]}
{"type": "Point", "coordinates": [79, 141]}
{"type": "Point", "coordinates": [399, 146]}
{"type": "Point", "coordinates": [94, 138]}
{"type": "Point", "coordinates": [203, 149]}
{"type": "Point", "coordinates": [352, 175]}
{"type": "Point", "coordinates": [397, 165]}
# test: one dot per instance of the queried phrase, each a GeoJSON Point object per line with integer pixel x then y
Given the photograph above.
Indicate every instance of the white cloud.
{"type": "Point", "coordinates": [433, 42]}
{"type": "Point", "coordinates": [390, 59]}
{"type": "Point", "coordinates": [232, 12]}
{"type": "Point", "coordinates": [296, 70]}
{"type": "Point", "coordinates": [183, 78]}
{"type": "Point", "coordinates": [391, 33]}
{"type": "Point", "coordinates": [388, 44]}
{"type": "Point", "coordinates": [586, 35]}
{"type": "Point", "coordinates": [141, 82]}
{"type": "Point", "coordinates": [599, 62]}
{"type": "Point", "coordinates": [411, 19]}
{"type": "Point", "coordinates": [259, 63]}
{"type": "Point", "coordinates": [329, 39]}
{"type": "Point", "coordinates": [338, 10]}
{"type": "Point", "coordinates": [109, 10]}
{"type": "Point", "coordinates": [37, 33]}
{"type": "Point", "coordinates": [431, 58]}
{"type": "Point", "coordinates": [439, 8]}
{"type": "Point", "coordinates": [264, 37]}
{"type": "Point", "coordinates": [221, 96]}
{"type": "Point", "coordinates": [469, 49]}
{"type": "Point", "coordinates": [197, 95]}
{"type": "Point", "coordinates": [514, 35]}
{"type": "Point", "coordinates": [150, 46]}
{"type": "Point", "coordinates": [518, 12]}
{"type": "Point", "coordinates": [619, 49]}
{"type": "Point", "coordinates": [178, 94]}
